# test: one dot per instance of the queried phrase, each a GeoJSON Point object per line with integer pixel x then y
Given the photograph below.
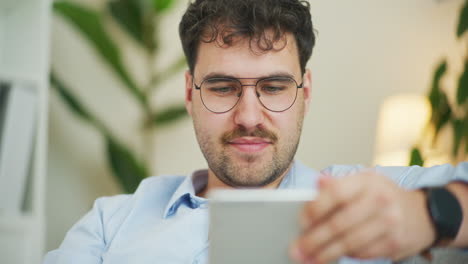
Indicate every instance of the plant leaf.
{"type": "Point", "coordinates": [166, 74]}
{"type": "Point", "coordinates": [458, 130]}
{"type": "Point", "coordinates": [169, 115]}
{"type": "Point", "coordinates": [462, 92]}
{"type": "Point", "coordinates": [435, 90]}
{"type": "Point", "coordinates": [416, 158]}
{"type": "Point", "coordinates": [70, 99]}
{"type": "Point", "coordinates": [441, 110]}
{"type": "Point", "coordinates": [463, 23]}
{"type": "Point", "coordinates": [176, 66]}
{"type": "Point", "coordinates": [441, 115]}
{"type": "Point", "coordinates": [128, 14]}
{"type": "Point", "coordinates": [465, 133]}
{"type": "Point", "coordinates": [89, 24]}
{"type": "Point", "coordinates": [75, 105]}
{"type": "Point", "coordinates": [162, 5]}
{"type": "Point", "coordinates": [127, 169]}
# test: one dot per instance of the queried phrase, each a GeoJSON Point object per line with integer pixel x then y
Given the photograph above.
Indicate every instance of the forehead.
{"type": "Point", "coordinates": [244, 59]}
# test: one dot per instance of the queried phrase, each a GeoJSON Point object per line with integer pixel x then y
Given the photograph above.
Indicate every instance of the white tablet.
{"type": "Point", "coordinates": [254, 226]}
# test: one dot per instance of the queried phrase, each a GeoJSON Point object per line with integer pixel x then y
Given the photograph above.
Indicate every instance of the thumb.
{"type": "Point", "coordinates": [324, 180]}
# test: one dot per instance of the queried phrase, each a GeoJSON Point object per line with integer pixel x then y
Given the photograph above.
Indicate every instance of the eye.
{"type": "Point", "coordinates": [273, 89]}
{"type": "Point", "coordinates": [220, 87]}
{"type": "Point", "coordinates": [222, 90]}
{"type": "Point", "coordinates": [276, 86]}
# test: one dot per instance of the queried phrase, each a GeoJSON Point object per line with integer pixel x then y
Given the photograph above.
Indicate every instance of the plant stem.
{"type": "Point", "coordinates": [148, 135]}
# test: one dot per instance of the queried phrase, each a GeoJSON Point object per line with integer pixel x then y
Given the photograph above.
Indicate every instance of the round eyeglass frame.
{"type": "Point", "coordinates": [242, 91]}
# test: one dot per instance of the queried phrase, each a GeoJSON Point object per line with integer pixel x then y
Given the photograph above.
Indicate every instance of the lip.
{"type": "Point", "coordinates": [250, 144]}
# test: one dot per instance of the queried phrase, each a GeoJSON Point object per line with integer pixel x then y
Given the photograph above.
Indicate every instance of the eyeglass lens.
{"type": "Point", "coordinates": [222, 94]}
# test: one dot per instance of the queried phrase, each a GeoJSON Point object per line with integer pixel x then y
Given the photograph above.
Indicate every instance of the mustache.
{"type": "Point", "coordinates": [242, 132]}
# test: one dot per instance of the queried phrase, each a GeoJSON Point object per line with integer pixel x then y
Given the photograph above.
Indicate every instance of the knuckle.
{"type": "Point", "coordinates": [312, 240]}
{"type": "Point", "coordinates": [335, 225]}
{"type": "Point", "coordinates": [383, 199]}
{"type": "Point", "coordinates": [392, 218]}
{"type": "Point", "coordinates": [393, 245]}
{"type": "Point", "coordinates": [337, 193]}
{"type": "Point", "coordinates": [309, 246]}
{"type": "Point", "coordinates": [331, 253]}
{"type": "Point", "coordinates": [349, 245]}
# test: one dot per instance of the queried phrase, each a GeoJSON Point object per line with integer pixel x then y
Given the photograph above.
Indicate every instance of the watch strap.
{"type": "Point", "coordinates": [445, 232]}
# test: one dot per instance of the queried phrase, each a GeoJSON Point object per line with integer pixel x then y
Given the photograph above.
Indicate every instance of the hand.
{"type": "Point", "coordinates": [363, 216]}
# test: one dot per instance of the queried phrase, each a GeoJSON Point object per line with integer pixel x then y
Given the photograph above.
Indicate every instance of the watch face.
{"type": "Point", "coordinates": [446, 212]}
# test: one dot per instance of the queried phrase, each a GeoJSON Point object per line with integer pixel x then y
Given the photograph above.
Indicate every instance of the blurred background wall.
{"type": "Point", "coordinates": [366, 50]}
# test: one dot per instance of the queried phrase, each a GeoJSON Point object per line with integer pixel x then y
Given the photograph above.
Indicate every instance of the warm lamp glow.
{"type": "Point", "coordinates": [396, 158]}
{"type": "Point", "coordinates": [402, 119]}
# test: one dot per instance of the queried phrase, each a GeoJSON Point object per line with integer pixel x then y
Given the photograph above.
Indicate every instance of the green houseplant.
{"type": "Point", "coordinates": [139, 19]}
{"type": "Point", "coordinates": [446, 113]}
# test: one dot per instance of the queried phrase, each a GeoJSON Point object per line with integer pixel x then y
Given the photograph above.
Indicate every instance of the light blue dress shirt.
{"type": "Point", "coordinates": [165, 222]}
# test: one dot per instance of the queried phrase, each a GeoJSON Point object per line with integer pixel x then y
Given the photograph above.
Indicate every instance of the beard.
{"type": "Point", "coordinates": [254, 170]}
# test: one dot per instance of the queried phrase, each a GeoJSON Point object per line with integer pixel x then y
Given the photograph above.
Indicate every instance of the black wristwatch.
{"type": "Point", "coordinates": [446, 214]}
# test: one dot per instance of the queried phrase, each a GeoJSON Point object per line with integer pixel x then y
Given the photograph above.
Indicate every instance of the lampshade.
{"type": "Point", "coordinates": [402, 119]}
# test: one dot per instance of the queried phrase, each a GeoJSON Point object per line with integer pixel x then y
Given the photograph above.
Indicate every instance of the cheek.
{"type": "Point", "coordinates": [209, 123]}
{"type": "Point", "coordinates": [289, 121]}
{"type": "Point", "coordinates": [286, 126]}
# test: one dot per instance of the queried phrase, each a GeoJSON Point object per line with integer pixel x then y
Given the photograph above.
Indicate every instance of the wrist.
{"type": "Point", "coordinates": [428, 232]}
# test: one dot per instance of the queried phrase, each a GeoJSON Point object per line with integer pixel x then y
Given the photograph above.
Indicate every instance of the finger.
{"type": "Point", "coordinates": [354, 242]}
{"type": "Point", "coordinates": [353, 216]}
{"type": "Point", "coordinates": [387, 246]}
{"type": "Point", "coordinates": [335, 193]}
{"type": "Point", "coordinates": [331, 253]}
{"type": "Point", "coordinates": [382, 247]}
{"type": "Point", "coordinates": [324, 180]}
{"type": "Point", "coordinates": [360, 239]}
{"type": "Point", "coordinates": [386, 242]}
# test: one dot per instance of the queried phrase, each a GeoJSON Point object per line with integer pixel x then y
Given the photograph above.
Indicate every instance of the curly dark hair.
{"type": "Point", "coordinates": [210, 20]}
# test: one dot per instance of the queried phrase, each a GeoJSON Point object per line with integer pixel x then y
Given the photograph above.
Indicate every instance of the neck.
{"type": "Point", "coordinates": [215, 183]}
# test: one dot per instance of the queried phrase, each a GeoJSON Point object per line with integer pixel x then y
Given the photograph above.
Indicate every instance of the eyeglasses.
{"type": "Point", "coordinates": [220, 95]}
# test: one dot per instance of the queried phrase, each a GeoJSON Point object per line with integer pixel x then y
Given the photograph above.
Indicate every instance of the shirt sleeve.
{"type": "Point", "coordinates": [86, 241]}
{"type": "Point", "coordinates": [414, 177]}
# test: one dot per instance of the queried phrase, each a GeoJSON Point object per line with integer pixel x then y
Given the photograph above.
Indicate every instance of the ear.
{"type": "Point", "coordinates": [307, 87]}
{"type": "Point", "coordinates": [188, 91]}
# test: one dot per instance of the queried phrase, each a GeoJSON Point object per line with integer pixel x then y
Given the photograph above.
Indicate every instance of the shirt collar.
{"type": "Point", "coordinates": [298, 177]}
{"type": "Point", "coordinates": [186, 193]}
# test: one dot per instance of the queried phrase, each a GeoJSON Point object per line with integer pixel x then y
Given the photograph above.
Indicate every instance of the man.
{"type": "Point", "coordinates": [247, 90]}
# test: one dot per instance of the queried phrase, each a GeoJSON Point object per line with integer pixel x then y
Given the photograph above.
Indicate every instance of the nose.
{"type": "Point", "coordinates": [249, 112]}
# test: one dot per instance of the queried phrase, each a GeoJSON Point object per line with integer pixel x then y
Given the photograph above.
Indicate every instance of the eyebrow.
{"type": "Point", "coordinates": [230, 76]}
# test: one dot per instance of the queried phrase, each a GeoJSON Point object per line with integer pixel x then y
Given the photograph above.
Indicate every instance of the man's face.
{"type": "Point", "coordinates": [248, 146]}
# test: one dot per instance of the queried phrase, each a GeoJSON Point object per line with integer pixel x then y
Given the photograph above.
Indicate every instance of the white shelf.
{"type": "Point", "coordinates": [17, 223]}
{"type": "Point", "coordinates": [24, 32]}
{"type": "Point", "coordinates": [24, 58]}
{"type": "Point", "coordinates": [20, 241]}
{"type": "Point", "coordinates": [15, 76]}
{"type": "Point", "coordinates": [8, 5]}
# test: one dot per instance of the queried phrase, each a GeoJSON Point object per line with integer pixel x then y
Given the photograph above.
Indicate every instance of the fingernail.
{"type": "Point", "coordinates": [296, 253]}
{"type": "Point", "coordinates": [324, 179]}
